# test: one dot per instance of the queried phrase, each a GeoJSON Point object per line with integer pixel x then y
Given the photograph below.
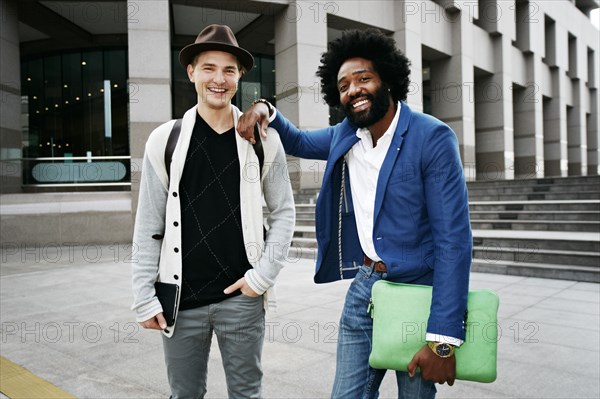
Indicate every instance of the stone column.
{"type": "Point", "coordinates": [452, 90]}
{"type": "Point", "coordinates": [529, 124]}
{"type": "Point", "coordinates": [408, 39]}
{"type": "Point", "coordinates": [149, 39]}
{"type": "Point", "coordinates": [593, 131]}
{"type": "Point", "coordinates": [577, 132]}
{"type": "Point", "coordinates": [10, 99]}
{"type": "Point", "coordinates": [299, 43]}
{"type": "Point", "coordinates": [494, 118]}
{"type": "Point", "coordinates": [555, 108]}
{"type": "Point", "coordinates": [555, 127]}
{"type": "Point", "coordinates": [593, 136]}
{"type": "Point", "coordinates": [528, 103]}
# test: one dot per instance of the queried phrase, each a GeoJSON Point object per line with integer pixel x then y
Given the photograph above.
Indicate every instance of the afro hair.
{"type": "Point", "coordinates": [390, 63]}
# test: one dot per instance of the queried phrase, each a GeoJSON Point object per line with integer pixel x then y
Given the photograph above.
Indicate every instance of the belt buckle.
{"type": "Point", "coordinates": [378, 266]}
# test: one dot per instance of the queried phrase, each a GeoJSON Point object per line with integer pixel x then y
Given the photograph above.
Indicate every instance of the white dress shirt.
{"type": "Point", "coordinates": [364, 163]}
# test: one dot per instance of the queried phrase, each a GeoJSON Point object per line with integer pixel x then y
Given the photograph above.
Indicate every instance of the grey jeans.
{"type": "Point", "coordinates": [239, 324]}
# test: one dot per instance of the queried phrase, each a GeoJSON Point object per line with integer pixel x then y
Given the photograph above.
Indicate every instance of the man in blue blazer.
{"type": "Point", "coordinates": [393, 205]}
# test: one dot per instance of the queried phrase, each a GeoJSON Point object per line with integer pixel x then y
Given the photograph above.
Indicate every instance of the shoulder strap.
{"type": "Point", "coordinates": [174, 136]}
{"type": "Point", "coordinates": [258, 149]}
{"type": "Point", "coordinates": [171, 144]}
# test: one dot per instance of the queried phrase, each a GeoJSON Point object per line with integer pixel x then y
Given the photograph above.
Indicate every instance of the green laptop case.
{"type": "Point", "coordinates": [400, 313]}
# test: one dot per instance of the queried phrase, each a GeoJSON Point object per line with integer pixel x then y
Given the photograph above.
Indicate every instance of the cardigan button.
{"type": "Point", "coordinates": [175, 224]}
{"type": "Point", "coordinates": [176, 249]}
{"type": "Point", "coordinates": [174, 194]}
{"type": "Point", "coordinates": [176, 277]}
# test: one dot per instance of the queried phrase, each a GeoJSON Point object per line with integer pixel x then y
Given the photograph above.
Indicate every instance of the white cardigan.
{"type": "Point", "coordinates": [159, 212]}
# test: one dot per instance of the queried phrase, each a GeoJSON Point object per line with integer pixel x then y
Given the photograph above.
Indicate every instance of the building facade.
{"type": "Point", "coordinates": [84, 83]}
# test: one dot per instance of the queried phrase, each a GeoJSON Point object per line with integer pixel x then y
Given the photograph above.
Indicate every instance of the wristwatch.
{"type": "Point", "coordinates": [268, 104]}
{"type": "Point", "coordinates": [441, 349]}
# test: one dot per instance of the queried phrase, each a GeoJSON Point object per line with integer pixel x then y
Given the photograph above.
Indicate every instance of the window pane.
{"type": "Point", "coordinates": [63, 117]}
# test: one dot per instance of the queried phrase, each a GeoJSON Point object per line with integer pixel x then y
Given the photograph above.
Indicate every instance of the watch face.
{"type": "Point", "coordinates": [443, 350]}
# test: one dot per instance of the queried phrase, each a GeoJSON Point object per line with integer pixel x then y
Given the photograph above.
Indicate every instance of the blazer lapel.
{"type": "Point", "coordinates": [391, 157]}
{"type": "Point", "coordinates": [347, 139]}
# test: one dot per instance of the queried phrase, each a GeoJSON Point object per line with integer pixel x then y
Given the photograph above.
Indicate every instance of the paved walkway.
{"type": "Point", "coordinates": [65, 316]}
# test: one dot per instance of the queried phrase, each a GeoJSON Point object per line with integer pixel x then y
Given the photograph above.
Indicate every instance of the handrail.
{"type": "Point", "coordinates": [62, 161]}
{"type": "Point", "coordinates": [71, 158]}
{"type": "Point", "coordinates": [105, 184]}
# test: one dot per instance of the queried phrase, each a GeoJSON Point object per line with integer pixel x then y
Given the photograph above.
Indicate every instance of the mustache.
{"type": "Point", "coordinates": [368, 96]}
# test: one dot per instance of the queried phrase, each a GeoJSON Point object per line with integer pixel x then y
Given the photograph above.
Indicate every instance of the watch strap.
{"type": "Point", "coordinates": [268, 104]}
{"type": "Point", "coordinates": [439, 348]}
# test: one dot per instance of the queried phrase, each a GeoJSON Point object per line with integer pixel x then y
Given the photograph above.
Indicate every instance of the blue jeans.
{"type": "Point", "coordinates": [354, 378]}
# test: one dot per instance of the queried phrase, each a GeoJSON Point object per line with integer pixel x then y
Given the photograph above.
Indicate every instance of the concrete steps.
{"type": "Point", "coordinates": [307, 231]}
{"type": "Point", "coordinates": [547, 206]}
{"type": "Point", "coordinates": [536, 215]}
{"type": "Point", "coordinates": [572, 181]}
{"type": "Point", "coordinates": [496, 217]}
{"type": "Point", "coordinates": [541, 228]}
{"type": "Point", "coordinates": [538, 225]}
{"type": "Point", "coordinates": [306, 196]}
{"type": "Point", "coordinates": [575, 248]}
{"type": "Point", "coordinates": [549, 189]}
{"type": "Point", "coordinates": [475, 190]}
{"type": "Point", "coordinates": [549, 270]}
{"type": "Point", "coordinates": [523, 253]}
{"type": "Point", "coordinates": [304, 242]}
{"type": "Point", "coordinates": [537, 196]}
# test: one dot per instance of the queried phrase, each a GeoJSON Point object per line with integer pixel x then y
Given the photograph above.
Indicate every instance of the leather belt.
{"type": "Point", "coordinates": [377, 266]}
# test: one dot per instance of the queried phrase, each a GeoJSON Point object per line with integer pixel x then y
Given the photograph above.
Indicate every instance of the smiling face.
{"type": "Point", "coordinates": [215, 75]}
{"type": "Point", "coordinates": [364, 97]}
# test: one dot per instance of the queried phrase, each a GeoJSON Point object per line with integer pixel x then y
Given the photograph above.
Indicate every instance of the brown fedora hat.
{"type": "Point", "coordinates": [216, 38]}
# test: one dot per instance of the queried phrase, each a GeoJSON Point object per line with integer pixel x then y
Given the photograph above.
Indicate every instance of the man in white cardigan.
{"type": "Point", "coordinates": [200, 227]}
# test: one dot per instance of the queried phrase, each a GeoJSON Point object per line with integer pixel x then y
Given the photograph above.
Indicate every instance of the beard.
{"type": "Point", "coordinates": [380, 102]}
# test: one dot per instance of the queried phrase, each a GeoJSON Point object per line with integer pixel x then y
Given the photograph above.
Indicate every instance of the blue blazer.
{"type": "Point", "coordinates": [421, 221]}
